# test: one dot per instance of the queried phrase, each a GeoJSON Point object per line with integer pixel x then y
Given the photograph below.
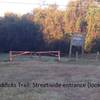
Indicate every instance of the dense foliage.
{"type": "Point", "coordinates": [51, 28]}
{"type": "Point", "coordinates": [19, 33]}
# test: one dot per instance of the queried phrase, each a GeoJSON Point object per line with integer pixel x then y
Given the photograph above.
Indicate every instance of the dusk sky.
{"type": "Point", "coordinates": [25, 6]}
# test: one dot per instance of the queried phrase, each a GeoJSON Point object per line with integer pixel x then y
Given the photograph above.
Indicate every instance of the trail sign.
{"type": "Point", "coordinates": [77, 40]}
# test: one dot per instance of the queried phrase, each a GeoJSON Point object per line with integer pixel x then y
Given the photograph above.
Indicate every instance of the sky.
{"type": "Point", "coordinates": [24, 6]}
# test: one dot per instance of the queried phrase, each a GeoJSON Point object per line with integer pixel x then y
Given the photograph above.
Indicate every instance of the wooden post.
{"type": "Point", "coordinates": [97, 55]}
{"type": "Point", "coordinates": [39, 55]}
{"type": "Point", "coordinates": [31, 53]}
{"type": "Point", "coordinates": [76, 56]}
{"type": "Point", "coordinates": [10, 56]}
{"type": "Point", "coordinates": [83, 45]}
{"type": "Point", "coordinates": [58, 55]}
{"type": "Point", "coordinates": [70, 49]}
{"type": "Point", "coordinates": [82, 50]}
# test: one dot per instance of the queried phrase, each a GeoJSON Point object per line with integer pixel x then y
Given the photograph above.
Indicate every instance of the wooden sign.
{"type": "Point", "coordinates": [77, 40]}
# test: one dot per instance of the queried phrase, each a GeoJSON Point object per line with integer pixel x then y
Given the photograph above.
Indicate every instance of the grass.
{"type": "Point", "coordinates": [48, 69]}
{"type": "Point", "coordinates": [80, 60]}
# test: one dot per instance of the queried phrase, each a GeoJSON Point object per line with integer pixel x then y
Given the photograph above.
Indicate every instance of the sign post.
{"type": "Point", "coordinates": [77, 40]}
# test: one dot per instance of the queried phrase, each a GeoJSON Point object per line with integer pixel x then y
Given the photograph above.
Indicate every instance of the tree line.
{"type": "Point", "coordinates": [51, 28]}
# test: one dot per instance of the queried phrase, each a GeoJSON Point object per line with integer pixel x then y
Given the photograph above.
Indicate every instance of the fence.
{"type": "Point", "coordinates": [13, 54]}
